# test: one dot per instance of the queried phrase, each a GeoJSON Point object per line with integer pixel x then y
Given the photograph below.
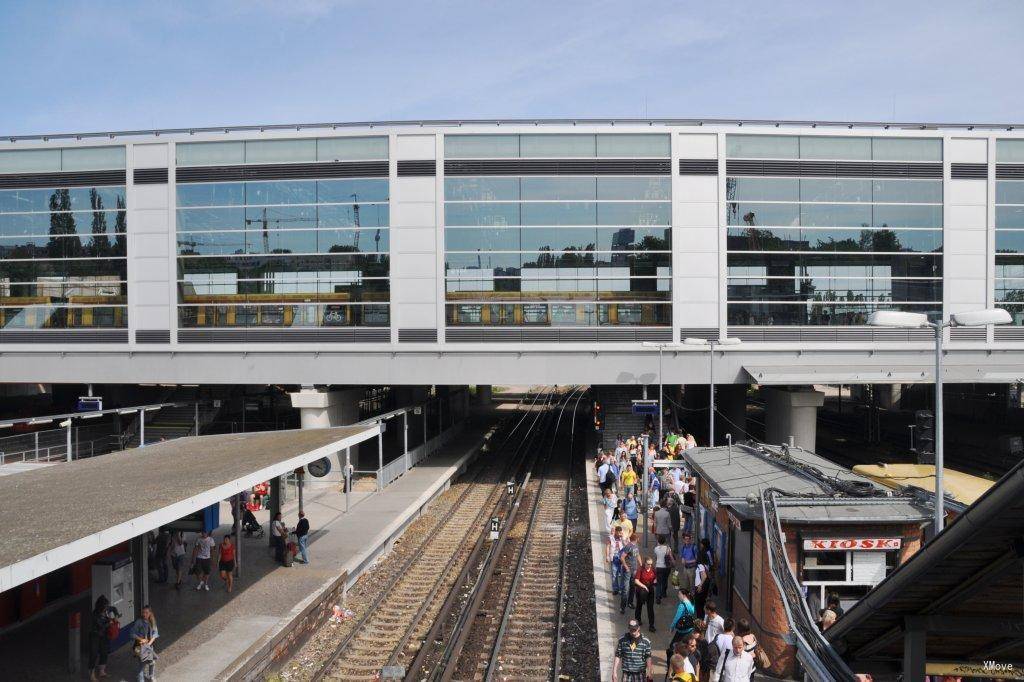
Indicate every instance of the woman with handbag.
{"type": "Point", "coordinates": [751, 646]}
{"type": "Point", "coordinates": [103, 627]}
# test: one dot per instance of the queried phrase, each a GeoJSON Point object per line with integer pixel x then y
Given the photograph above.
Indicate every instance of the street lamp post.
{"type": "Point", "coordinates": [975, 318]}
{"type": "Point", "coordinates": [711, 343]}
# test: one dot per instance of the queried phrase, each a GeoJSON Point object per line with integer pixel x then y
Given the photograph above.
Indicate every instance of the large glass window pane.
{"type": "Point", "coordinates": [285, 217]}
{"type": "Point", "coordinates": [351, 191]}
{"type": "Point", "coordinates": [633, 145]}
{"type": "Point", "coordinates": [907, 216]}
{"type": "Point", "coordinates": [1009, 241]}
{"type": "Point", "coordinates": [1007, 192]}
{"type": "Point", "coordinates": [763, 214]}
{"type": "Point", "coordinates": [351, 148]}
{"type": "Point", "coordinates": [1010, 151]}
{"type": "Point", "coordinates": [30, 161]}
{"type": "Point", "coordinates": [560, 239]}
{"type": "Point", "coordinates": [844, 189]}
{"type": "Point", "coordinates": [907, 191]}
{"type": "Point", "coordinates": [634, 239]}
{"type": "Point", "coordinates": [638, 213]}
{"type": "Point", "coordinates": [1010, 216]}
{"type": "Point", "coordinates": [640, 188]}
{"type": "Point", "coordinates": [85, 223]}
{"type": "Point", "coordinates": [92, 158]}
{"type": "Point", "coordinates": [481, 146]}
{"type": "Point", "coordinates": [764, 239]}
{"type": "Point", "coordinates": [482, 239]}
{"type": "Point", "coordinates": [280, 151]}
{"type": "Point", "coordinates": [762, 147]}
{"type": "Point", "coordinates": [556, 213]}
{"type": "Point", "coordinates": [493, 214]}
{"type": "Point", "coordinates": [369, 215]}
{"type": "Point", "coordinates": [556, 145]}
{"type": "Point", "coordinates": [211, 194]}
{"type": "Point", "coordinates": [191, 219]}
{"type": "Point", "coordinates": [481, 189]}
{"type": "Point", "coordinates": [495, 263]}
{"type": "Point", "coordinates": [762, 189]}
{"type": "Point", "coordinates": [361, 241]}
{"type": "Point", "coordinates": [539, 189]}
{"type": "Point", "coordinates": [906, 149]}
{"type": "Point", "coordinates": [828, 215]}
{"type": "Point", "coordinates": [209, 153]}
{"type": "Point", "coordinates": [213, 243]}
{"type": "Point", "coordinates": [840, 148]}
{"type": "Point", "coordinates": [20, 200]}
{"type": "Point", "coordinates": [280, 192]}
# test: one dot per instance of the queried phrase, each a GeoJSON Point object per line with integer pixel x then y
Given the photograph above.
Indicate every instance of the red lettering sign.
{"type": "Point", "coordinates": [857, 544]}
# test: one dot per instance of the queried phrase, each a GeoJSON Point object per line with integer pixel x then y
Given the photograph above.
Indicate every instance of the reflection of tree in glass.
{"type": "Point", "coordinates": [62, 224]}
{"type": "Point", "coordinates": [120, 226]}
{"type": "Point", "coordinates": [99, 243]}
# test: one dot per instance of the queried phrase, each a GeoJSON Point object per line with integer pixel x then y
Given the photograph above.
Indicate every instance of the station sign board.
{"type": "Point", "coordinates": [847, 544]}
{"type": "Point", "coordinates": [89, 403]}
{"type": "Point", "coordinates": [644, 407]}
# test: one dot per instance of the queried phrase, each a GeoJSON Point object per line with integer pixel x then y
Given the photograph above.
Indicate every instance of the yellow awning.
{"type": "Point", "coordinates": [963, 487]}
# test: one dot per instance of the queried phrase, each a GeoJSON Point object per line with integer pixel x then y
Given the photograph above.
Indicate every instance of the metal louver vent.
{"type": "Point", "coordinates": [965, 171]}
{"type": "Point", "coordinates": [149, 176]}
{"type": "Point", "coordinates": [284, 335]}
{"type": "Point", "coordinates": [417, 336]}
{"type": "Point", "coordinates": [284, 171]}
{"type": "Point", "coordinates": [698, 333]}
{"type": "Point", "coordinates": [852, 169]}
{"type": "Point", "coordinates": [1009, 333]}
{"type": "Point", "coordinates": [968, 334]}
{"type": "Point", "coordinates": [65, 336]}
{"type": "Point", "coordinates": [1010, 171]}
{"type": "Point", "coordinates": [559, 167]}
{"type": "Point", "coordinates": [417, 168]}
{"type": "Point", "coordinates": [153, 336]}
{"type": "Point", "coordinates": [698, 166]}
{"type": "Point", "coordinates": [566, 335]}
{"type": "Point", "coordinates": [829, 334]}
{"type": "Point", "coordinates": [79, 179]}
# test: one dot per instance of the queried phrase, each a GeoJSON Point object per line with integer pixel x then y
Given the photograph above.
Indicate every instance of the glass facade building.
{"type": "Point", "coordinates": [825, 230]}
{"type": "Point", "coordinates": [1009, 232]}
{"type": "Point", "coordinates": [305, 249]}
{"type": "Point", "coordinates": [567, 236]}
{"type": "Point", "coordinates": [63, 247]}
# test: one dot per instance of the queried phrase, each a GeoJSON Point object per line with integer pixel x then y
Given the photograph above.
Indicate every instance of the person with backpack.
{"type": "Point", "coordinates": [615, 546]}
{"type": "Point", "coordinates": [630, 558]}
{"type": "Point", "coordinates": [683, 623]}
{"type": "Point", "coordinates": [677, 669]}
{"type": "Point", "coordinates": [609, 502]}
{"type": "Point", "coordinates": [717, 648]}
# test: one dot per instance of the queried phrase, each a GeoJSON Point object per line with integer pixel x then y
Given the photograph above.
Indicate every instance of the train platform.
{"type": "Point", "coordinates": [208, 634]}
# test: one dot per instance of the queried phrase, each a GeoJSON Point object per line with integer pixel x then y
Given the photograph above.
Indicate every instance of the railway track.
{"type": "Point", "coordinates": [391, 628]}
{"type": "Point", "coordinates": [507, 625]}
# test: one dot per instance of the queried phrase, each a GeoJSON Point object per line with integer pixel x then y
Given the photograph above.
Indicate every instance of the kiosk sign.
{"type": "Point", "coordinates": [847, 544]}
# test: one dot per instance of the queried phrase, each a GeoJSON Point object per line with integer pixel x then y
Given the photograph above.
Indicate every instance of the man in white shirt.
{"type": "Point", "coordinates": [279, 532]}
{"type": "Point", "coordinates": [737, 664]}
{"type": "Point", "coordinates": [723, 643]}
{"type": "Point", "coordinates": [202, 559]}
{"type": "Point", "coordinates": [715, 624]}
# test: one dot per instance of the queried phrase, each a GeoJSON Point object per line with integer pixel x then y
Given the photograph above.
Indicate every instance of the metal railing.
{"type": "Point", "coordinates": [394, 469]}
{"type": "Point", "coordinates": [48, 448]}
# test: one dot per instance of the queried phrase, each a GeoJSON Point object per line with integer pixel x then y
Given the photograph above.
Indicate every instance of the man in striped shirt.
{"type": "Point", "coordinates": [633, 662]}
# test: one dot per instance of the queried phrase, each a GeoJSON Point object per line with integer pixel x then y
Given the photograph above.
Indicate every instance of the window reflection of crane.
{"type": "Point", "coordinates": [357, 224]}
{"type": "Point", "coordinates": [264, 222]}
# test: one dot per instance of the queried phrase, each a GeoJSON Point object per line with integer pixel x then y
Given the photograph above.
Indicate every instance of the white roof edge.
{"type": "Point", "coordinates": [28, 569]}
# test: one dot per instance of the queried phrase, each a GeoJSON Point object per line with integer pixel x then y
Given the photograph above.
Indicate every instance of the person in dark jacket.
{"type": "Point", "coordinates": [302, 534]}
{"type": "Point", "coordinates": [99, 642]}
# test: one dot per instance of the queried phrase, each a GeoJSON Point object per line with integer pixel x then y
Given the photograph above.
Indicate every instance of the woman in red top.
{"type": "Point", "coordinates": [644, 581]}
{"type": "Point", "coordinates": [227, 562]}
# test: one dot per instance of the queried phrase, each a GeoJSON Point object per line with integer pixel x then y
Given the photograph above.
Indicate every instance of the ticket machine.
{"type": "Point", "coordinates": [114, 577]}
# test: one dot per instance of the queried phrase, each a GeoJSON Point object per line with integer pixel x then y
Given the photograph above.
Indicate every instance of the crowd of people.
{"type": "Point", "coordinates": [705, 646]}
{"type": "Point", "coordinates": [171, 551]}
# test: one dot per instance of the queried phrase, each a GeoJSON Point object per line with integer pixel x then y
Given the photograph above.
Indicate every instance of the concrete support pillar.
{"type": "Point", "coordinates": [792, 413]}
{"type": "Point", "coordinates": [731, 403]}
{"type": "Point", "coordinates": [484, 395]}
{"type": "Point", "coordinates": [888, 395]}
{"type": "Point", "coordinates": [320, 409]}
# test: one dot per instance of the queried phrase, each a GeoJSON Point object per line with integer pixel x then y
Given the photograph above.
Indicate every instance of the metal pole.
{"type": "Point", "coordinates": [711, 390]}
{"type": "Point", "coordinates": [380, 461]}
{"type": "Point", "coordinates": [348, 476]}
{"type": "Point", "coordinates": [300, 479]}
{"type": "Point", "coordinates": [939, 489]}
{"type": "Point", "coordinates": [661, 396]}
{"type": "Point", "coordinates": [142, 428]}
{"type": "Point", "coordinates": [68, 448]}
{"type": "Point", "coordinates": [405, 439]}
{"type": "Point", "coordinates": [197, 418]}
{"type": "Point", "coordinates": [238, 535]}
{"type": "Point", "coordinates": [37, 445]}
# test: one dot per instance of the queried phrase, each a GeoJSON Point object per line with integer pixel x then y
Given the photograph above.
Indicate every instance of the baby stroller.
{"type": "Point", "coordinates": [250, 526]}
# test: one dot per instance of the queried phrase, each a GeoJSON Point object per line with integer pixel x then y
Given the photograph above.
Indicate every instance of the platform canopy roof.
{"type": "Point", "coordinates": [860, 373]}
{"type": "Point", "coordinates": [961, 597]}
{"type": "Point", "coordinates": [54, 516]}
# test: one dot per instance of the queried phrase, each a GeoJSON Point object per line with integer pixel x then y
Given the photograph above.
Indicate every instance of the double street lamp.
{"type": "Point", "coordinates": [903, 320]}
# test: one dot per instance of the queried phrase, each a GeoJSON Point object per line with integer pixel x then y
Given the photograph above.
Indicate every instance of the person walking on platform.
{"type": "Point", "coordinates": [672, 505]}
{"type": "Point", "coordinates": [204, 545]}
{"type": "Point", "coordinates": [99, 639]}
{"type": "Point", "coordinates": [633, 662]}
{"type": "Point", "coordinates": [615, 546]}
{"type": "Point", "coordinates": [609, 502]}
{"type": "Point", "coordinates": [177, 552]}
{"type": "Point", "coordinates": [663, 562]}
{"type": "Point", "coordinates": [689, 554]}
{"type": "Point", "coordinates": [630, 557]}
{"type": "Point", "coordinates": [144, 633]}
{"type": "Point", "coordinates": [683, 622]}
{"type": "Point", "coordinates": [302, 535]}
{"type": "Point", "coordinates": [163, 541]}
{"type": "Point", "coordinates": [736, 664]}
{"type": "Point", "coordinates": [631, 508]}
{"type": "Point", "coordinates": [677, 669]}
{"type": "Point", "coordinates": [226, 562]}
{"type": "Point", "coordinates": [279, 533]}
{"type": "Point", "coordinates": [717, 648]}
{"type": "Point", "coordinates": [644, 584]}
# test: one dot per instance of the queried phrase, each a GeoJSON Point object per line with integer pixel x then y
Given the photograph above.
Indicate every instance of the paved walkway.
{"type": "Point", "coordinates": [202, 633]}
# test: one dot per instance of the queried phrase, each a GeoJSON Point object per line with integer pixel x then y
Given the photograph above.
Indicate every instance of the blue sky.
{"type": "Point", "coordinates": [88, 66]}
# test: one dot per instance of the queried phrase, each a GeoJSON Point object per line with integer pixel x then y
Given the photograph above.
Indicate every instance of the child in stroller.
{"type": "Point", "coordinates": [250, 526]}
